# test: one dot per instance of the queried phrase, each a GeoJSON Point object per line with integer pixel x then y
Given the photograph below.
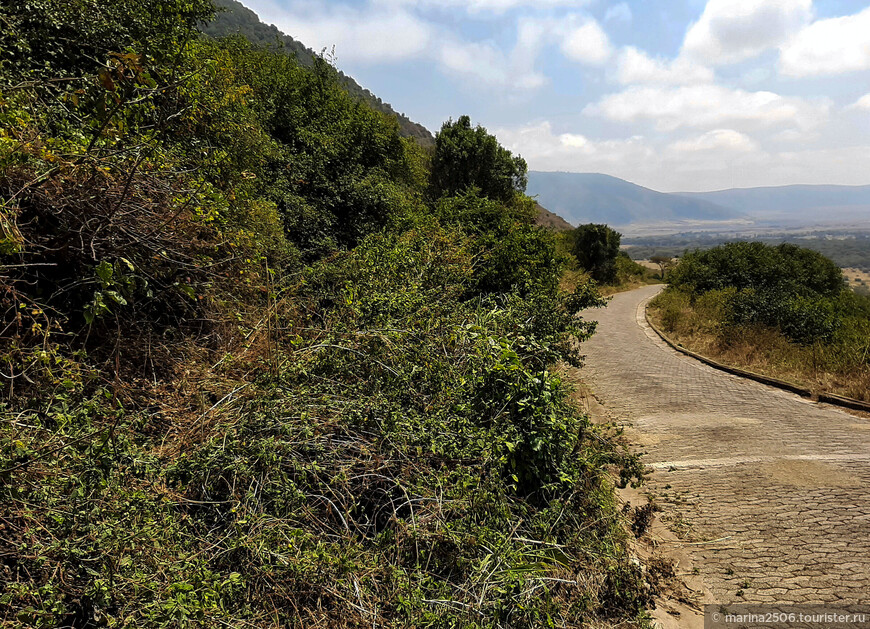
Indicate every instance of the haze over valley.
{"type": "Point", "coordinates": [585, 197]}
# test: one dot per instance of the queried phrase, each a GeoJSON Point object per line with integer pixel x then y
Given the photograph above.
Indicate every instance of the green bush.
{"type": "Point", "coordinates": [784, 286]}
{"type": "Point", "coordinates": [627, 270]}
{"type": "Point", "coordinates": [596, 248]}
{"type": "Point", "coordinates": [757, 266]}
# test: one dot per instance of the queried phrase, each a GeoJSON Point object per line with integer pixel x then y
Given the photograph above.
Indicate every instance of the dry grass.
{"type": "Point", "coordinates": [762, 350]}
{"type": "Point", "coordinates": [859, 279]}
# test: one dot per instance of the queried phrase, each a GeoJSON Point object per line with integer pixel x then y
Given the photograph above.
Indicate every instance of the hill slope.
{"type": "Point", "coordinates": [548, 219]}
{"type": "Point", "coordinates": [237, 19]}
{"type": "Point", "coordinates": [587, 197]}
{"type": "Point", "coordinates": [802, 202]}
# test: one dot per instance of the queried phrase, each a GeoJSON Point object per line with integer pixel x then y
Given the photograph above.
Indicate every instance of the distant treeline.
{"type": "Point", "coordinates": [846, 249]}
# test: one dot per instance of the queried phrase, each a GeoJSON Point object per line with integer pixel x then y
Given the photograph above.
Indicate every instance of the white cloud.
{"type": "Point", "coordinates": [733, 30]}
{"type": "Point", "coordinates": [618, 13]}
{"type": "Point", "coordinates": [587, 44]}
{"type": "Point", "coordinates": [546, 150]}
{"type": "Point", "coordinates": [862, 103]}
{"type": "Point", "coordinates": [634, 66]}
{"type": "Point", "coordinates": [718, 140]}
{"type": "Point", "coordinates": [483, 6]}
{"type": "Point", "coordinates": [484, 62]}
{"type": "Point", "coordinates": [723, 158]}
{"type": "Point", "coordinates": [708, 106]}
{"type": "Point", "coordinates": [363, 36]}
{"type": "Point", "coordinates": [504, 5]}
{"type": "Point", "coordinates": [831, 46]}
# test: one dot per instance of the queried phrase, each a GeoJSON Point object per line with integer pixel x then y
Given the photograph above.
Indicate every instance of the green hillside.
{"type": "Point", "coordinates": [233, 18]}
{"type": "Point", "coordinates": [268, 363]}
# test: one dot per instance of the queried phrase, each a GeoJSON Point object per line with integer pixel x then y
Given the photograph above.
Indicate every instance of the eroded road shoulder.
{"type": "Point", "coordinates": [774, 490]}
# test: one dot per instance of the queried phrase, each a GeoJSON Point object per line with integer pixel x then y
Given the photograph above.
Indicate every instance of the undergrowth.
{"type": "Point", "coordinates": [256, 373]}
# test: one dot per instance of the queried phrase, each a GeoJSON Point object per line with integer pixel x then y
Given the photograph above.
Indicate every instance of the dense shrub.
{"type": "Point", "coordinates": [757, 266]}
{"type": "Point", "coordinates": [784, 286]}
{"type": "Point", "coordinates": [596, 248]}
{"type": "Point", "coordinates": [782, 311]}
{"type": "Point", "coordinates": [254, 377]}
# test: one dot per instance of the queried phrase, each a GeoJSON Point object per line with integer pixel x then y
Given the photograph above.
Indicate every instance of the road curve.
{"type": "Point", "coordinates": [775, 489]}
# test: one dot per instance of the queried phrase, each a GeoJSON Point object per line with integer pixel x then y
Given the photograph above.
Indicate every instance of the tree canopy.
{"type": "Point", "coordinates": [469, 157]}
{"type": "Point", "coordinates": [792, 288]}
{"type": "Point", "coordinates": [596, 248]}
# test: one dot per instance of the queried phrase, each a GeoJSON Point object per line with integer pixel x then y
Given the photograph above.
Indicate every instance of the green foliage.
{"type": "Point", "coordinates": [784, 286]}
{"type": "Point", "coordinates": [779, 310]}
{"type": "Point", "coordinates": [596, 248]}
{"type": "Point", "coordinates": [233, 18]}
{"type": "Point", "coordinates": [467, 157]}
{"type": "Point", "coordinates": [336, 170]}
{"type": "Point", "coordinates": [52, 39]}
{"type": "Point", "coordinates": [254, 377]}
{"type": "Point", "coordinates": [512, 253]}
{"type": "Point", "coordinates": [629, 272]}
{"type": "Point", "coordinates": [756, 266]}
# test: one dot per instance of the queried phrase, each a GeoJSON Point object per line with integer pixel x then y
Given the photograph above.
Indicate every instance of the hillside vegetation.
{"type": "Point", "coordinates": [259, 369]}
{"type": "Point", "coordinates": [551, 221]}
{"type": "Point", "coordinates": [846, 248]}
{"type": "Point", "coordinates": [233, 18]}
{"type": "Point", "coordinates": [782, 310]}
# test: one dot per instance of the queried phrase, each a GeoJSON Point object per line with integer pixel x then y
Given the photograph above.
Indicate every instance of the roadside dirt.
{"type": "Point", "coordinates": [662, 548]}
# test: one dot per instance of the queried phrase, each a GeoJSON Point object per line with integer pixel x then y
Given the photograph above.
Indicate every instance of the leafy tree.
{"type": "Point", "coordinates": [467, 157]}
{"type": "Point", "coordinates": [596, 248]}
{"type": "Point", "coordinates": [664, 263]}
{"type": "Point", "coordinates": [62, 38]}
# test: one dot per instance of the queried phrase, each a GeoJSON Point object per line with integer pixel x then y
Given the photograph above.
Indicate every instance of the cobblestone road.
{"type": "Point", "coordinates": [775, 489]}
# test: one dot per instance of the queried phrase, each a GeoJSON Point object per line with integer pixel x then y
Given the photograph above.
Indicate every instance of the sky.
{"type": "Point", "coordinates": [675, 95]}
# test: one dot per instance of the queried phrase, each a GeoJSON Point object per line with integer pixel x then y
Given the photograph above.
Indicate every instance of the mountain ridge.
{"type": "Point", "coordinates": [792, 202]}
{"type": "Point", "coordinates": [234, 18]}
{"type": "Point", "coordinates": [595, 197]}
{"type": "Point", "coordinates": [600, 198]}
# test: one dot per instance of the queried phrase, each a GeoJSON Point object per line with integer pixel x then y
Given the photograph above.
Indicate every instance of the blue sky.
{"type": "Point", "coordinates": [675, 94]}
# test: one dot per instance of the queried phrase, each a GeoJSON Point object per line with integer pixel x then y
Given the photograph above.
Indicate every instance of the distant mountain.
{"type": "Point", "coordinates": [551, 221]}
{"type": "Point", "coordinates": [237, 19]}
{"type": "Point", "coordinates": [793, 203]}
{"type": "Point", "coordinates": [594, 198]}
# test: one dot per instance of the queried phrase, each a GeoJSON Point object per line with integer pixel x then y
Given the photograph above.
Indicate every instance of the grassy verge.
{"type": "Point", "coordinates": [839, 368]}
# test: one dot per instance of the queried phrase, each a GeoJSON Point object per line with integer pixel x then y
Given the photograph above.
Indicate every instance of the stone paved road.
{"type": "Point", "coordinates": [776, 489]}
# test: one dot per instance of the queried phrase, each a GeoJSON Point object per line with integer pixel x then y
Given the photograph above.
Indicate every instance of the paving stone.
{"type": "Point", "coordinates": [775, 485]}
